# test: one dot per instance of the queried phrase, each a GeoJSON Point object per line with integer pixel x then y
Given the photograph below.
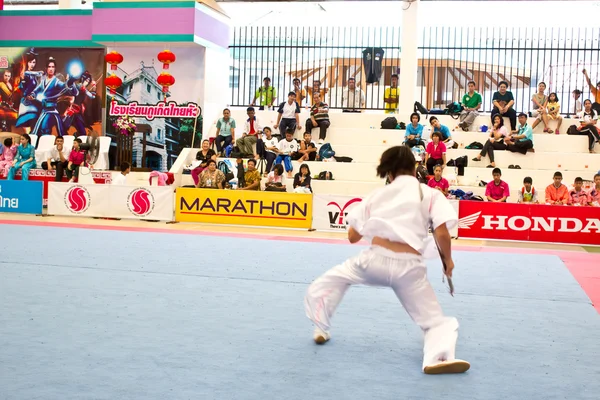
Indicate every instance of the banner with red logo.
{"type": "Point", "coordinates": [530, 222]}
{"type": "Point", "coordinates": [111, 201]}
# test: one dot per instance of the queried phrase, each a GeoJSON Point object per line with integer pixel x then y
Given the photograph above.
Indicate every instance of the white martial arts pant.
{"type": "Point", "coordinates": [406, 274]}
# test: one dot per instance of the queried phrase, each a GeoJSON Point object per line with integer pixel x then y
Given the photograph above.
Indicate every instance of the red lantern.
{"type": "Point", "coordinates": [165, 80]}
{"type": "Point", "coordinates": [113, 58]}
{"type": "Point", "coordinates": [166, 57]}
{"type": "Point", "coordinates": [113, 82]}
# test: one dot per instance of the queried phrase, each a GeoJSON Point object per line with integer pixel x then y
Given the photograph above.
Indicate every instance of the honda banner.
{"type": "Point", "coordinates": [531, 222]}
{"type": "Point", "coordinates": [111, 201]}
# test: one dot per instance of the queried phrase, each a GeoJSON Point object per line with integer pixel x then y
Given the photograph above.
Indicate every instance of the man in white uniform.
{"type": "Point", "coordinates": [395, 220]}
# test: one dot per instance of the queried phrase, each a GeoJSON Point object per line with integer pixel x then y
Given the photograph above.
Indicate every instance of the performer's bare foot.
{"type": "Point", "coordinates": [320, 336]}
{"type": "Point", "coordinates": [448, 367]}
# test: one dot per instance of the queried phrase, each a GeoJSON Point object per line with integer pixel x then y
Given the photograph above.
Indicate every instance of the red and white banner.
{"type": "Point", "coordinates": [111, 201]}
{"type": "Point", "coordinates": [535, 222]}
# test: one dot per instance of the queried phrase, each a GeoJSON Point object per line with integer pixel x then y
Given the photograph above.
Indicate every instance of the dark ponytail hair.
{"type": "Point", "coordinates": [397, 160]}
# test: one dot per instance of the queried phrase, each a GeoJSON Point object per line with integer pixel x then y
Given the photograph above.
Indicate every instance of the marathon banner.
{"type": "Point", "coordinates": [111, 201]}
{"type": "Point", "coordinates": [529, 222]}
{"type": "Point", "coordinates": [243, 207]}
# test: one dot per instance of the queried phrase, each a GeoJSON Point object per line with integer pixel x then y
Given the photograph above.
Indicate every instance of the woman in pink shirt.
{"type": "Point", "coordinates": [438, 182]}
{"type": "Point", "coordinates": [495, 142]}
{"type": "Point", "coordinates": [436, 152]}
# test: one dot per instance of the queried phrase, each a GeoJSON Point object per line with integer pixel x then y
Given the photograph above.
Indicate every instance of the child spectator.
{"type": "Point", "coordinates": [414, 131]}
{"type": "Point", "coordinates": [557, 193]}
{"type": "Point", "coordinates": [528, 194]}
{"type": "Point", "coordinates": [266, 148]}
{"type": "Point", "coordinates": [471, 102]}
{"type": "Point", "coordinates": [225, 132]}
{"type": "Point", "coordinates": [554, 112]}
{"type": "Point", "coordinates": [595, 192]}
{"type": "Point", "coordinates": [7, 156]}
{"type": "Point", "coordinates": [302, 180]}
{"type": "Point", "coordinates": [286, 148]}
{"type": "Point", "coordinates": [521, 140]}
{"type": "Point", "coordinates": [275, 180]}
{"type": "Point", "coordinates": [76, 160]}
{"type": "Point", "coordinates": [121, 179]}
{"type": "Point", "coordinates": [308, 149]}
{"type": "Point", "coordinates": [435, 152]}
{"type": "Point", "coordinates": [497, 191]}
{"type": "Point", "coordinates": [438, 182]}
{"type": "Point", "coordinates": [578, 196]}
{"type": "Point", "coordinates": [576, 109]}
{"type": "Point", "coordinates": [443, 129]}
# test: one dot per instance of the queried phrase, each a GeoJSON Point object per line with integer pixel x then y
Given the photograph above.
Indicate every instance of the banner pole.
{"type": "Point", "coordinates": [195, 122]}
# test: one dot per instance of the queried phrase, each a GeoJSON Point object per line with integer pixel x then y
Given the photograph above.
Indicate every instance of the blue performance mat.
{"type": "Point", "coordinates": [94, 314]}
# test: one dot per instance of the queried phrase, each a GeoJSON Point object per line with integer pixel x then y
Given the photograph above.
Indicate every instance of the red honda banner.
{"type": "Point", "coordinates": [535, 222]}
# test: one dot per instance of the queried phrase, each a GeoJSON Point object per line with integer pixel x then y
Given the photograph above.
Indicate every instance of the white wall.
{"type": "Point", "coordinates": [215, 84]}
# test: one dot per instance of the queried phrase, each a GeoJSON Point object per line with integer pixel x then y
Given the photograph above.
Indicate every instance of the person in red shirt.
{"type": "Point", "coordinates": [76, 160]}
{"type": "Point", "coordinates": [557, 193]}
{"type": "Point", "coordinates": [497, 190]}
{"type": "Point", "coordinates": [436, 152]}
{"type": "Point", "coordinates": [578, 196]}
{"type": "Point", "coordinates": [438, 182]}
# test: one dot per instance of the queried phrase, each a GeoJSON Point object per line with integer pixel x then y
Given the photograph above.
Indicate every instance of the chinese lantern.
{"type": "Point", "coordinates": [113, 58]}
{"type": "Point", "coordinates": [166, 57]}
{"type": "Point", "coordinates": [165, 80]}
{"type": "Point", "coordinates": [113, 82]}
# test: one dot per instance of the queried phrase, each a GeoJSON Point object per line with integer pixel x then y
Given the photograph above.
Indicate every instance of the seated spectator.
{"type": "Point", "coordinates": [471, 102]}
{"type": "Point", "coordinates": [162, 178]}
{"type": "Point", "coordinates": [496, 141]}
{"type": "Point", "coordinates": [520, 140]}
{"type": "Point", "coordinates": [302, 180]}
{"type": "Point", "coordinates": [287, 147]}
{"type": "Point", "coordinates": [300, 93]}
{"type": "Point", "coordinates": [557, 193]}
{"type": "Point", "coordinates": [275, 181]}
{"type": "Point", "coordinates": [211, 177]}
{"type": "Point", "coordinates": [539, 104]}
{"type": "Point", "coordinates": [353, 98]}
{"type": "Point", "coordinates": [76, 160]}
{"type": "Point", "coordinates": [435, 152]}
{"type": "Point", "coordinates": [121, 179]}
{"type": "Point", "coordinates": [225, 132]}
{"type": "Point", "coordinates": [288, 114]}
{"type": "Point", "coordinates": [24, 159]}
{"type": "Point", "coordinates": [266, 95]}
{"type": "Point", "coordinates": [438, 181]}
{"type": "Point", "coordinates": [577, 106]}
{"type": "Point", "coordinates": [504, 101]}
{"type": "Point", "coordinates": [595, 91]}
{"type": "Point", "coordinates": [202, 157]}
{"type": "Point", "coordinates": [251, 177]}
{"type": "Point", "coordinates": [414, 132]}
{"type": "Point", "coordinates": [308, 149]}
{"type": "Point", "coordinates": [595, 192]}
{"type": "Point", "coordinates": [391, 96]}
{"type": "Point", "coordinates": [266, 148]}
{"type": "Point", "coordinates": [249, 137]}
{"type": "Point", "coordinates": [497, 191]}
{"type": "Point", "coordinates": [7, 156]}
{"type": "Point", "coordinates": [578, 196]}
{"type": "Point", "coordinates": [528, 194]}
{"type": "Point", "coordinates": [319, 117]}
{"type": "Point", "coordinates": [587, 124]}
{"type": "Point", "coordinates": [316, 88]}
{"type": "Point", "coordinates": [554, 112]}
{"type": "Point", "coordinates": [445, 131]}
{"type": "Point", "coordinates": [58, 158]}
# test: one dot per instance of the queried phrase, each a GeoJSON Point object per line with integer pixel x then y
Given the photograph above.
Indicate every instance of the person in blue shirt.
{"type": "Point", "coordinates": [443, 129]}
{"type": "Point", "coordinates": [521, 140]}
{"type": "Point", "coordinates": [414, 131]}
{"type": "Point", "coordinates": [25, 159]}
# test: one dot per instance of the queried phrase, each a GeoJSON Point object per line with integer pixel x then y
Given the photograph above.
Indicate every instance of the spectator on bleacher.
{"type": "Point", "coordinates": [504, 101]}
{"type": "Point", "coordinates": [497, 191]}
{"type": "Point", "coordinates": [435, 152]}
{"type": "Point", "coordinates": [7, 156]}
{"type": "Point", "coordinates": [76, 160]}
{"type": "Point", "coordinates": [595, 192]}
{"type": "Point", "coordinates": [496, 141]}
{"type": "Point", "coordinates": [24, 159]}
{"type": "Point", "coordinates": [316, 88]}
{"type": "Point", "coordinates": [249, 137]}
{"type": "Point", "coordinates": [353, 98]}
{"type": "Point", "coordinates": [578, 196]}
{"type": "Point", "coordinates": [121, 179]}
{"type": "Point", "coordinates": [319, 117]}
{"type": "Point", "coordinates": [539, 102]}
{"type": "Point", "coordinates": [520, 140]}
{"type": "Point", "coordinates": [557, 193]}
{"type": "Point", "coordinates": [58, 158]}
{"type": "Point", "coordinates": [275, 179]}
{"type": "Point", "coordinates": [587, 124]}
{"type": "Point", "coordinates": [391, 96]}
{"type": "Point", "coordinates": [266, 148]}
{"type": "Point", "coordinates": [211, 177]}
{"type": "Point", "coordinates": [302, 180]}
{"type": "Point", "coordinates": [251, 177]}
{"type": "Point", "coordinates": [265, 94]}
{"type": "Point", "coordinates": [577, 106]}
{"type": "Point", "coordinates": [444, 131]}
{"type": "Point", "coordinates": [287, 147]}
{"type": "Point", "coordinates": [554, 111]}
{"type": "Point", "coordinates": [202, 156]}
{"type": "Point", "coordinates": [438, 182]}
{"type": "Point", "coordinates": [308, 149]}
{"type": "Point", "coordinates": [288, 114]}
{"type": "Point", "coordinates": [414, 132]}
{"type": "Point", "coordinates": [300, 93]}
{"type": "Point", "coordinates": [225, 132]}
{"type": "Point", "coordinates": [471, 102]}
{"type": "Point", "coordinates": [528, 194]}
{"type": "Point", "coordinates": [595, 91]}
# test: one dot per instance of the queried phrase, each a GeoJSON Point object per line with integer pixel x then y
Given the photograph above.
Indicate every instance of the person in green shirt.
{"type": "Point", "coordinates": [471, 102]}
{"type": "Point", "coordinates": [265, 94]}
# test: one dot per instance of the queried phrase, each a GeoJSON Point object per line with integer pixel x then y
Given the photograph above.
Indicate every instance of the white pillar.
{"type": "Point", "coordinates": [409, 61]}
{"type": "Point", "coordinates": [69, 4]}
{"type": "Point", "coordinates": [216, 86]}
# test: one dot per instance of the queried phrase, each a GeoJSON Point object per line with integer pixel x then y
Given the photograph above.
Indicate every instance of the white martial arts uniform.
{"type": "Point", "coordinates": [398, 213]}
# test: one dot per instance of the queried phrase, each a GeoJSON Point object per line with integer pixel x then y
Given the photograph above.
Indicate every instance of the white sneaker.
{"type": "Point", "coordinates": [321, 141]}
{"type": "Point", "coordinates": [320, 336]}
{"type": "Point", "coordinates": [448, 367]}
{"type": "Point", "coordinates": [71, 180]}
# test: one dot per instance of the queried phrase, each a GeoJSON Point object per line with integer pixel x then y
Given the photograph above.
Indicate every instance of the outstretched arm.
{"type": "Point", "coordinates": [442, 237]}
{"type": "Point", "coordinates": [353, 235]}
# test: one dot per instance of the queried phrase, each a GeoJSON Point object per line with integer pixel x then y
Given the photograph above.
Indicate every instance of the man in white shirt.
{"type": "Point", "coordinates": [249, 137]}
{"type": "Point", "coordinates": [353, 98]}
{"type": "Point", "coordinates": [121, 179]}
{"type": "Point", "coordinates": [289, 114]}
{"type": "Point", "coordinates": [57, 159]}
{"type": "Point", "coordinates": [287, 147]}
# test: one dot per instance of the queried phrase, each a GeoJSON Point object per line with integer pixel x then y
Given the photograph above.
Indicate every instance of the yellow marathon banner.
{"type": "Point", "coordinates": [243, 207]}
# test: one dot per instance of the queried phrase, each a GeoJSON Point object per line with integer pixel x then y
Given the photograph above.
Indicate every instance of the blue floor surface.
{"type": "Point", "coordinates": [113, 315]}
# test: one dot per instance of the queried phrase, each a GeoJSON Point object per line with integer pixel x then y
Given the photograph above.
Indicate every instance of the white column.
{"type": "Point", "coordinates": [217, 94]}
{"type": "Point", "coordinates": [69, 4]}
{"type": "Point", "coordinates": [409, 58]}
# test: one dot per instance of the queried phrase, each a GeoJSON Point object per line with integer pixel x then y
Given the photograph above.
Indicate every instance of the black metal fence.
{"type": "Point", "coordinates": [447, 59]}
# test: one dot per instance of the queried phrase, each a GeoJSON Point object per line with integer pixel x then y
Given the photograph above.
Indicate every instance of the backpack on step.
{"type": "Point", "coordinates": [389, 123]}
{"type": "Point", "coordinates": [224, 168]}
{"type": "Point", "coordinates": [326, 152]}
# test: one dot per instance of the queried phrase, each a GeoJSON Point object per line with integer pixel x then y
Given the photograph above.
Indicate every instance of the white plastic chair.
{"type": "Point", "coordinates": [44, 146]}
{"type": "Point", "coordinates": [102, 163]}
